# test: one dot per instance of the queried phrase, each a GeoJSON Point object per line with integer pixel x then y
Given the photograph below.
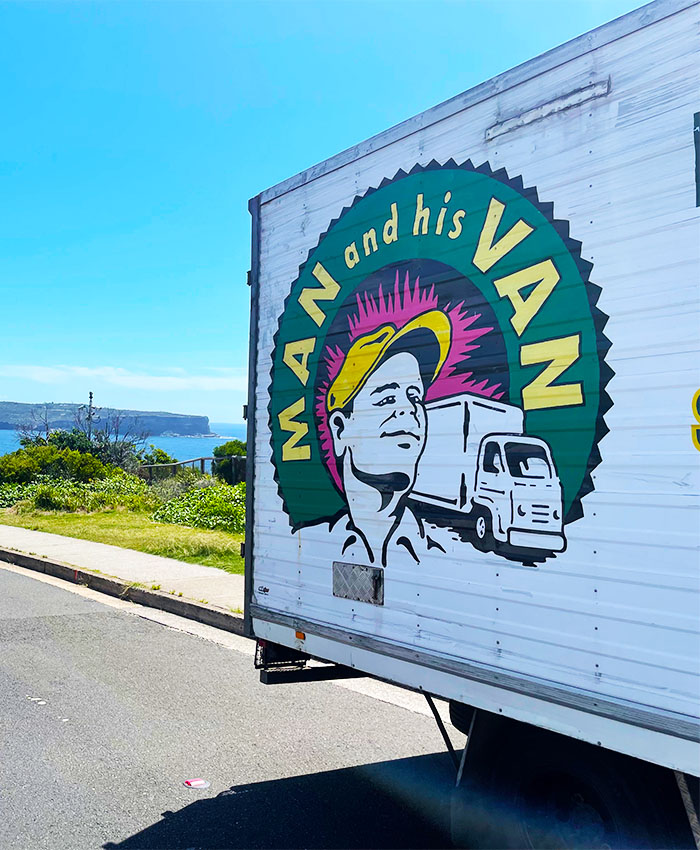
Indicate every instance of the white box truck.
{"type": "Point", "coordinates": [473, 418]}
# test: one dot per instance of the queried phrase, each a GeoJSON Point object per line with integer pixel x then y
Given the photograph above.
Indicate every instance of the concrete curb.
{"type": "Point", "coordinates": [210, 615]}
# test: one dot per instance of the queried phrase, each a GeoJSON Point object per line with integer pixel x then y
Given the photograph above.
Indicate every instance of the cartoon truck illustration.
{"type": "Point", "coordinates": [478, 463]}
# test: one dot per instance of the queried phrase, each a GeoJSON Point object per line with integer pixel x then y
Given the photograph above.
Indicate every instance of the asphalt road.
{"type": "Point", "coordinates": [104, 714]}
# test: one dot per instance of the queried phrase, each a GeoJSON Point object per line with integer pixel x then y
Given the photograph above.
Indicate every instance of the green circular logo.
{"type": "Point", "coordinates": [449, 299]}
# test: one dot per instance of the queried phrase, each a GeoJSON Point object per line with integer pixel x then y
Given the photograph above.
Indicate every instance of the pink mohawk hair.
{"type": "Point", "coordinates": [397, 308]}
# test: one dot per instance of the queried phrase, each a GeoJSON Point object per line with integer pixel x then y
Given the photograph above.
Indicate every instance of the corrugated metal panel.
{"type": "Point", "coordinates": [617, 613]}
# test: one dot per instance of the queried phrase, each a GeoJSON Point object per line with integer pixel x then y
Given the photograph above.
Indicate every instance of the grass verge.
{"type": "Point", "coordinates": [132, 530]}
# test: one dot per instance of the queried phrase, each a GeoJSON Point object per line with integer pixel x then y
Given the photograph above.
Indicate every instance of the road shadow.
{"type": "Point", "coordinates": [393, 804]}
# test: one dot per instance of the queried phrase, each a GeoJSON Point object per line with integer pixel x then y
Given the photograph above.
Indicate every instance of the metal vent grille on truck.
{"type": "Point", "coordinates": [357, 582]}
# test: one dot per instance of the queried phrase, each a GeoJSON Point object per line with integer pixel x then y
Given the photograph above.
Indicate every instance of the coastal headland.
{"type": "Point", "coordinates": [14, 415]}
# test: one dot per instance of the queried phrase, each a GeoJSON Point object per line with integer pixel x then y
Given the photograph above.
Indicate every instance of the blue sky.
{"type": "Point", "coordinates": [134, 134]}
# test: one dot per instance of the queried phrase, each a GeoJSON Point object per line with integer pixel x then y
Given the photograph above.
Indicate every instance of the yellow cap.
{"type": "Point", "coordinates": [368, 351]}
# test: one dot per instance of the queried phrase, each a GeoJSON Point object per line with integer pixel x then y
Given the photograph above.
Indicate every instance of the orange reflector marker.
{"type": "Point", "coordinates": [300, 635]}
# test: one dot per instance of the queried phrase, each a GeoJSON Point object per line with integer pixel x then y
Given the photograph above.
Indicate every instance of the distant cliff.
{"type": "Point", "coordinates": [14, 414]}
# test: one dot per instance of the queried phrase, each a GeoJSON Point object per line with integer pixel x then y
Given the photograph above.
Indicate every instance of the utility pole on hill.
{"type": "Point", "coordinates": [90, 415]}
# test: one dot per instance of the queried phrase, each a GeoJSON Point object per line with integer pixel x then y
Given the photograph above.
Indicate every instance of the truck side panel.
{"type": "Point", "coordinates": [615, 616]}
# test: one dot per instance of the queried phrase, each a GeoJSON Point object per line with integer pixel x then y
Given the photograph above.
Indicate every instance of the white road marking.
{"type": "Point", "coordinates": [368, 687]}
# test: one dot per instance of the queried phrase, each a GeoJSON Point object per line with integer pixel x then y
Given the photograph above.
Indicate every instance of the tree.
{"type": "Point", "coordinates": [37, 430]}
{"type": "Point", "coordinates": [75, 440]}
{"type": "Point", "coordinates": [155, 455]}
{"type": "Point", "coordinates": [233, 447]}
{"type": "Point", "coordinates": [232, 471]}
{"type": "Point", "coordinates": [111, 437]}
{"type": "Point", "coordinates": [115, 442]}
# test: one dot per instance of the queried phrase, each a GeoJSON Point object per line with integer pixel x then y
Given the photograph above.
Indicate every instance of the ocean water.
{"type": "Point", "coordinates": [182, 448]}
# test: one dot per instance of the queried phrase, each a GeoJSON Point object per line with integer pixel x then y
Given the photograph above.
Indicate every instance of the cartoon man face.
{"type": "Point", "coordinates": [383, 429]}
{"type": "Point", "coordinates": [375, 403]}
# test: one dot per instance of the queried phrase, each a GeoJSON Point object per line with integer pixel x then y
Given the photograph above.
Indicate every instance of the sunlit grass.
{"type": "Point", "coordinates": [132, 530]}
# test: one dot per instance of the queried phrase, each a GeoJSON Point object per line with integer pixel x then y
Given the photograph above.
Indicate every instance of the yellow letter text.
{"type": "Point", "coordinates": [544, 275]}
{"type": "Point", "coordinates": [558, 354]}
{"type": "Point", "coordinates": [311, 294]}
{"type": "Point", "coordinates": [488, 252]}
{"type": "Point", "coordinates": [290, 449]}
{"type": "Point", "coordinates": [296, 356]}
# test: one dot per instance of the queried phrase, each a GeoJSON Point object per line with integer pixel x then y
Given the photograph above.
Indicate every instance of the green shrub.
{"type": "Point", "coordinates": [28, 464]}
{"type": "Point", "coordinates": [19, 467]}
{"type": "Point", "coordinates": [50, 498]}
{"type": "Point", "coordinates": [221, 507]}
{"type": "Point", "coordinates": [181, 482]}
{"type": "Point", "coordinates": [10, 494]}
{"type": "Point", "coordinates": [75, 440]}
{"type": "Point", "coordinates": [81, 466]}
{"type": "Point", "coordinates": [46, 494]}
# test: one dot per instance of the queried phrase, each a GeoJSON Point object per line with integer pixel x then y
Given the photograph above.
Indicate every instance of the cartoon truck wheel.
{"type": "Point", "coordinates": [479, 466]}
{"type": "Point", "coordinates": [482, 526]}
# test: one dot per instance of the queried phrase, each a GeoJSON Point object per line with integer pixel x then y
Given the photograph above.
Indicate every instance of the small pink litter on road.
{"type": "Point", "coordinates": [196, 783]}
